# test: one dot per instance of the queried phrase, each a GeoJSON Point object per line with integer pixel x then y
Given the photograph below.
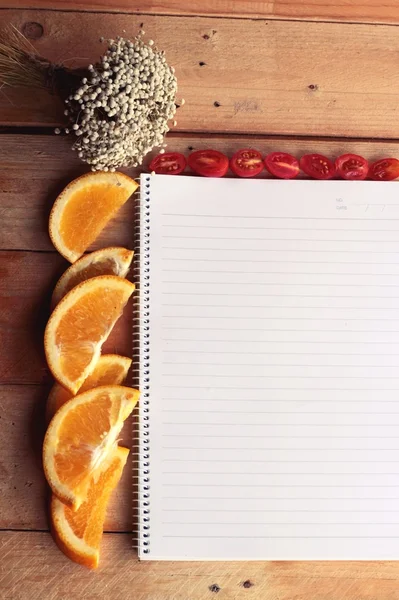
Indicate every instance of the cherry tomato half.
{"type": "Point", "coordinates": [281, 164]}
{"type": "Point", "coordinates": [317, 166]}
{"type": "Point", "coordinates": [246, 163]}
{"type": "Point", "coordinates": [171, 163]}
{"type": "Point", "coordinates": [352, 166]}
{"type": "Point", "coordinates": [209, 163]}
{"type": "Point", "coordinates": [385, 169]}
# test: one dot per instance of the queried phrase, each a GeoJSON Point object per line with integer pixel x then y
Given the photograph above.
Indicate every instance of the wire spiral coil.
{"type": "Point", "coordinates": [141, 351]}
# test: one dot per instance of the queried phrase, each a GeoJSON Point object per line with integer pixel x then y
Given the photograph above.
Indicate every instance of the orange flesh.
{"type": "Point", "coordinates": [80, 225]}
{"type": "Point", "coordinates": [82, 437]}
{"type": "Point", "coordinates": [101, 264]}
{"type": "Point", "coordinates": [78, 532]}
{"type": "Point", "coordinates": [112, 374]}
{"type": "Point", "coordinates": [87, 521]}
{"type": "Point", "coordinates": [91, 320]}
{"type": "Point", "coordinates": [107, 266]}
{"type": "Point", "coordinates": [82, 432]}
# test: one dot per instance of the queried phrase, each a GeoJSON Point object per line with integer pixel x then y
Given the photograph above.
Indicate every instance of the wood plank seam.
{"type": "Point", "coordinates": [174, 15]}
{"type": "Point", "coordinates": [41, 130]}
{"type": "Point", "coordinates": [322, 11]}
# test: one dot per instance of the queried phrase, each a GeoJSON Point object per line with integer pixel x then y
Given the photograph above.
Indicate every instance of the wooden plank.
{"type": "Point", "coordinates": [34, 169]}
{"type": "Point", "coordinates": [360, 11]}
{"type": "Point", "coordinates": [27, 282]}
{"type": "Point", "coordinates": [28, 279]}
{"type": "Point", "coordinates": [23, 491]}
{"type": "Point", "coordinates": [296, 78]}
{"type": "Point", "coordinates": [33, 569]}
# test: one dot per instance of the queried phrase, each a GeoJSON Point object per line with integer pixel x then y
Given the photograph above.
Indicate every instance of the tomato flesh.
{"type": "Point", "coordinates": [247, 163]}
{"type": "Point", "coordinates": [352, 166]}
{"type": "Point", "coordinates": [209, 163]}
{"type": "Point", "coordinates": [282, 165]}
{"type": "Point", "coordinates": [317, 166]}
{"type": "Point", "coordinates": [386, 169]}
{"type": "Point", "coordinates": [171, 163]}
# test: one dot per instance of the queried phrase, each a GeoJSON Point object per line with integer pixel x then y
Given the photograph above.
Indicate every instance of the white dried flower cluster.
{"type": "Point", "coordinates": [121, 110]}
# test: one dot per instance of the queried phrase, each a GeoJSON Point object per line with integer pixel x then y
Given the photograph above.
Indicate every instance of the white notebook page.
{"type": "Point", "coordinates": [274, 382]}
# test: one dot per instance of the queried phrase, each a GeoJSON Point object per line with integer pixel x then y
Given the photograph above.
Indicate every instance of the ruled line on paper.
{"type": "Point", "coordinates": [268, 399]}
{"type": "Point", "coordinates": [179, 472]}
{"type": "Point", "coordinates": [230, 424]}
{"type": "Point", "coordinates": [251, 461]}
{"type": "Point", "coordinates": [243, 365]}
{"type": "Point", "coordinates": [277, 498]}
{"type": "Point", "coordinates": [199, 237]}
{"type": "Point", "coordinates": [265, 353]}
{"type": "Point", "coordinates": [262, 510]}
{"type": "Point", "coordinates": [258, 250]}
{"type": "Point", "coordinates": [264, 295]}
{"type": "Point", "coordinates": [188, 305]}
{"type": "Point", "coordinates": [261, 284]}
{"type": "Point", "coordinates": [252, 448]}
{"type": "Point", "coordinates": [243, 353]}
{"type": "Point", "coordinates": [252, 260]}
{"type": "Point", "coordinates": [268, 523]}
{"type": "Point", "coordinates": [207, 387]}
{"type": "Point", "coordinates": [197, 226]}
{"type": "Point", "coordinates": [181, 448]}
{"type": "Point", "coordinates": [215, 400]}
{"type": "Point", "coordinates": [262, 318]}
{"type": "Point", "coordinates": [278, 485]}
{"type": "Point", "coordinates": [288, 537]}
{"type": "Point", "coordinates": [246, 272]}
{"type": "Point", "coordinates": [279, 437]}
{"type": "Point", "coordinates": [282, 330]}
{"type": "Point", "coordinates": [290, 341]}
{"type": "Point", "coordinates": [281, 217]}
{"type": "Point", "coordinates": [220, 376]}
{"type": "Point", "coordinates": [271, 412]}
{"type": "Point", "coordinates": [293, 523]}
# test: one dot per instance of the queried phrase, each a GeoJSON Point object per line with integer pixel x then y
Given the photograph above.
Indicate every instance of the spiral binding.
{"type": "Point", "coordinates": [141, 351]}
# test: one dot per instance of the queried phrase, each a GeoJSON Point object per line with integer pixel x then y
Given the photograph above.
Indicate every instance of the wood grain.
{"type": "Point", "coordinates": [34, 169]}
{"type": "Point", "coordinates": [294, 78]}
{"type": "Point", "coordinates": [28, 279]}
{"type": "Point", "coordinates": [360, 11]}
{"type": "Point", "coordinates": [23, 491]}
{"type": "Point", "coordinates": [33, 569]}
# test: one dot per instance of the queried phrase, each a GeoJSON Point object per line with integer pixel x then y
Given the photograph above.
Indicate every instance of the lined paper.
{"type": "Point", "coordinates": [274, 381]}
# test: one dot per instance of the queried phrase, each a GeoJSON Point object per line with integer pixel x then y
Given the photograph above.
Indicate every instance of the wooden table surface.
{"type": "Point", "coordinates": [299, 76]}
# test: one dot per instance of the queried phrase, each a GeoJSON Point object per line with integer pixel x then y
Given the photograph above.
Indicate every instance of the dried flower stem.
{"type": "Point", "coordinates": [21, 66]}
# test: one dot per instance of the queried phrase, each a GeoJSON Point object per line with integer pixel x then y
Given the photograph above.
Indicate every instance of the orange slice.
{"type": "Point", "coordinates": [109, 261]}
{"type": "Point", "coordinates": [78, 533]}
{"type": "Point", "coordinates": [79, 326]}
{"type": "Point", "coordinates": [80, 437]}
{"type": "Point", "coordinates": [84, 208]}
{"type": "Point", "coordinates": [111, 369]}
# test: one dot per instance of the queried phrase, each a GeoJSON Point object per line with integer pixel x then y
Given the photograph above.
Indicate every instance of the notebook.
{"type": "Point", "coordinates": [269, 354]}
